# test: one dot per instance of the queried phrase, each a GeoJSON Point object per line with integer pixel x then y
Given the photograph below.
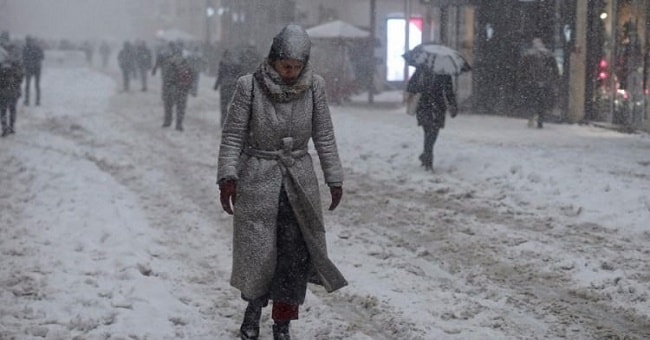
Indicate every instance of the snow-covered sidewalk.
{"type": "Point", "coordinates": [111, 227]}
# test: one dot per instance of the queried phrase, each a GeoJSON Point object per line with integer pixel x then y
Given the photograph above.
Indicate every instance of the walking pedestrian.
{"type": "Point", "coordinates": [177, 80]}
{"type": "Point", "coordinates": [127, 60]}
{"type": "Point", "coordinates": [105, 52]}
{"type": "Point", "coordinates": [267, 181]}
{"type": "Point", "coordinates": [33, 56]}
{"type": "Point", "coordinates": [229, 70]}
{"type": "Point", "coordinates": [11, 78]}
{"type": "Point", "coordinates": [144, 61]}
{"type": "Point", "coordinates": [437, 95]}
{"type": "Point", "coordinates": [198, 63]}
{"type": "Point", "coordinates": [538, 77]}
{"type": "Point", "coordinates": [89, 51]}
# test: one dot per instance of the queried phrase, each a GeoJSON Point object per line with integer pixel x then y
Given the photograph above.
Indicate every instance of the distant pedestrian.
{"type": "Point", "coordinates": [33, 56]}
{"type": "Point", "coordinates": [126, 58]}
{"type": "Point", "coordinates": [249, 58]}
{"type": "Point", "coordinates": [144, 61]}
{"type": "Point", "coordinates": [436, 96]}
{"type": "Point", "coordinates": [538, 76]}
{"type": "Point", "coordinates": [228, 72]}
{"type": "Point", "coordinates": [177, 79]}
{"type": "Point", "coordinates": [11, 78]}
{"type": "Point", "coordinates": [105, 52]}
{"type": "Point", "coordinates": [88, 50]}
{"type": "Point", "coordinates": [198, 63]}
{"type": "Point", "coordinates": [267, 180]}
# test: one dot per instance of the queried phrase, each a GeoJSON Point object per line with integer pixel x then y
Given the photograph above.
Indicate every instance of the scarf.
{"type": "Point", "coordinates": [274, 87]}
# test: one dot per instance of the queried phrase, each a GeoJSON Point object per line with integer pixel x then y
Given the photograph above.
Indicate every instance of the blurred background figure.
{"type": "Point", "coordinates": [105, 53]}
{"type": "Point", "coordinates": [144, 61]}
{"type": "Point", "coordinates": [177, 79]}
{"type": "Point", "coordinates": [89, 51]}
{"type": "Point", "coordinates": [127, 61]}
{"type": "Point", "coordinates": [198, 63]}
{"type": "Point", "coordinates": [538, 77]}
{"type": "Point", "coordinates": [32, 62]}
{"type": "Point", "coordinates": [228, 71]}
{"type": "Point", "coordinates": [437, 94]}
{"type": "Point", "coordinates": [11, 78]}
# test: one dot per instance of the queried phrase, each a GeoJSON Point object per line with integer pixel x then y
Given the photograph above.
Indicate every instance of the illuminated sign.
{"type": "Point", "coordinates": [395, 45]}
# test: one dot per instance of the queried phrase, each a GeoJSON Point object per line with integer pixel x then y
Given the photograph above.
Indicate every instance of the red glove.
{"type": "Point", "coordinates": [337, 193]}
{"type": "Point", "coordinates": [228, 190]}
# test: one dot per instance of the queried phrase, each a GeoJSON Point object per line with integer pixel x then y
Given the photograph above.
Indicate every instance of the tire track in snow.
{"type": "Point", "coordinates": [489, 257]}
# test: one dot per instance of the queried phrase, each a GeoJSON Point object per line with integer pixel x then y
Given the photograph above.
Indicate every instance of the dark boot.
{"type": "Point", "coordinates": [427, 162]}
{"type": "Point", "coordinates": [281, 331]}
{"type": "Point", "coordinates": [250, 327]}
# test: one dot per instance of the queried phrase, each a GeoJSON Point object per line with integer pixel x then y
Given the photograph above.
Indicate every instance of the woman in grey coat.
{"type": "Point", "coordinates": [267, 180]}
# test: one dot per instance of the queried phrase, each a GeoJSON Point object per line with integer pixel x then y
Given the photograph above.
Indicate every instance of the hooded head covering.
{"type": "Point", "coordinates": [291, 43]}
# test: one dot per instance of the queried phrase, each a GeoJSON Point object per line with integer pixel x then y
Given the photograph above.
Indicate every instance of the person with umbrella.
{"type": "Point", "coordinates": [432, 80]}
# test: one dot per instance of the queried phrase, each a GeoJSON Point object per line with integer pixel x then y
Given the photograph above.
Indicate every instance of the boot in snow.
{"type": "Point", "coordinates": [427, 162]}
{"type": "Point", "coordinates": [281, 331]}
{"type": "Point", "coordinates": [250, 327]}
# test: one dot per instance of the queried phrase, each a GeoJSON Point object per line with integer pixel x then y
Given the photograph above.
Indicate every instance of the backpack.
{"type": "Point", "coordinates": [184, 75]}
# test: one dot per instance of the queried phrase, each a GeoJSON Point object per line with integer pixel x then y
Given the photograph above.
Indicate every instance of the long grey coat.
{"type": "Point", "coordinates": [254, 136]}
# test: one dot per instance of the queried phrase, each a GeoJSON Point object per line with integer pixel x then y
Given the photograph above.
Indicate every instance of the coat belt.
{"type": "Point", "coordinates": [286, 156]}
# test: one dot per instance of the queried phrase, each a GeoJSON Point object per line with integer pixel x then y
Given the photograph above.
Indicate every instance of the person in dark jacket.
{"type": "Point", "coordinates": [144, 61]}
{"type": "Point", "coordinates": [279, 242]}
{"type": "Point", "coordinates": [538, 76]}
{"type": "Point", "coordinates": [11, 78]}
{"type": "Point", "coordinates": [32, 62]}
{"type": "Point", "coordinates": [229, 71]}
{"type": "Point", "coordinates": [127, 60]}
{"type": "Point", "coordinates": [197, 62]}
{"type": "Point", "coordinates": [177, 79]}
{"type": "Point", "coordinates": [437, 95]}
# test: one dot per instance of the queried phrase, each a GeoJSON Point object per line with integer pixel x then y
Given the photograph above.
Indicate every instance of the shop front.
{"type": "Point", "coordinates": [621, 90]}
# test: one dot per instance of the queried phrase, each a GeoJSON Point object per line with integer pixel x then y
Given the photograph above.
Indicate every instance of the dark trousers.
{"type": "Point", "coordinates": [143, 77]}
{"type": "Point", "coordinates": [293, 264]}
{"type": "Point", "coordinates": [293, 267]}
{"type": "Point", "coordinates": [8, 105]}
{"type": "Point", "coordinates": [126, 78]}
{"type": "Point", "coordinates": [540, 103]}
{"type": "Point", "coordinates": [430, 136]}
{"type": "Point", "coordinates": [194, 90]}
{"type": "Point", "coordinates": [174, 99]}
{"type": "Point", "coordinates": [37, 85]}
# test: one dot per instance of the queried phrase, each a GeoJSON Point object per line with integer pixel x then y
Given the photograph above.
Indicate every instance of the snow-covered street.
{"type": "Point", "coordinates": [112, 228]}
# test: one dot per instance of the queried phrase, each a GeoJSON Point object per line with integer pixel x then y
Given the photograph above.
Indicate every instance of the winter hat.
{"type": "Point", "coordinates": [291, 43]}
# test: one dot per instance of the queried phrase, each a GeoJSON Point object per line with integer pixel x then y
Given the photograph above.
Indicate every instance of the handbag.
{"type": "Point", "coordinates": [412, 100]}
